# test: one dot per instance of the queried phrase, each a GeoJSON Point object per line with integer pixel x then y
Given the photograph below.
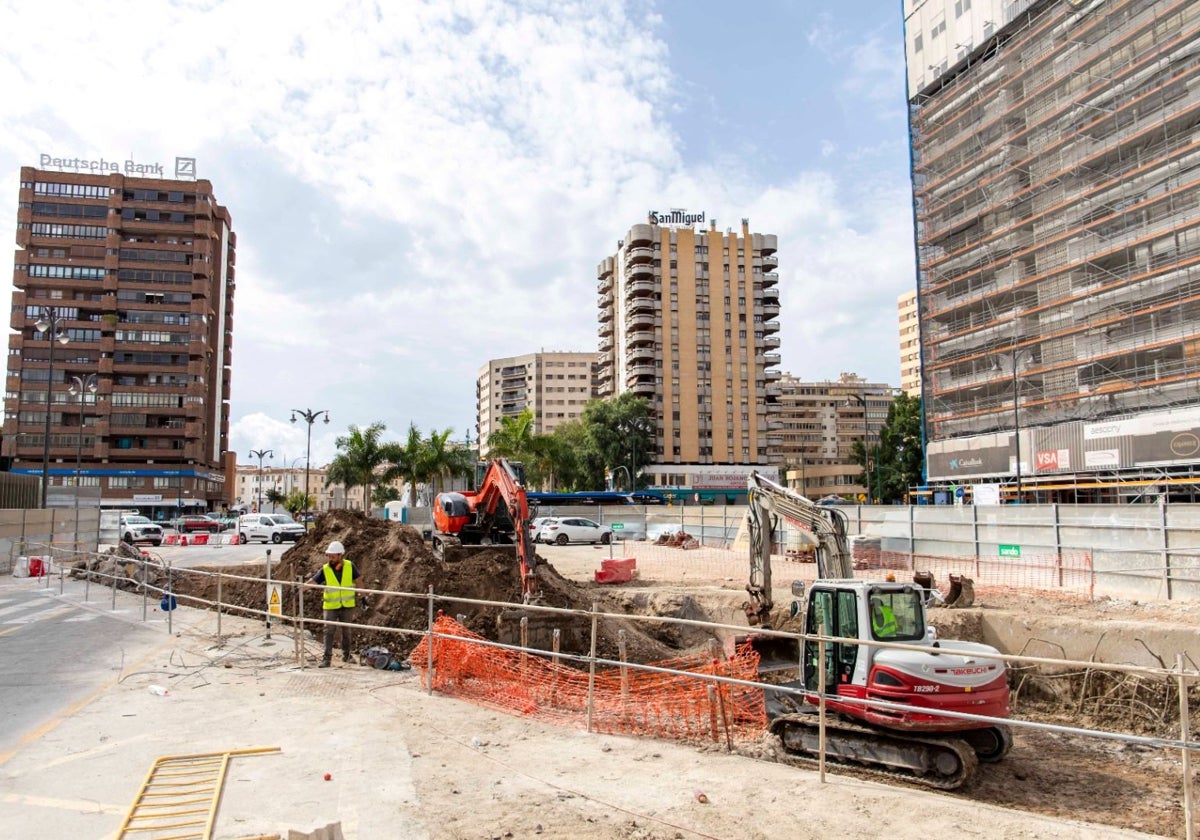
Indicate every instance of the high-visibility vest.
{"type": "Point", "coordinates": [883, 621]}
{"type": "Point", "coordinates": [337, 596]}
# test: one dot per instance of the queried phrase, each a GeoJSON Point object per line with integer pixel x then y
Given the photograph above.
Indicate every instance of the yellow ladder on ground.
{"type": "Point", "coordinates": [180, 796]}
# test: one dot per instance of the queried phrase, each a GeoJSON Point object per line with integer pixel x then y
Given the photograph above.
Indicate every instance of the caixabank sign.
{"type": "Point", "coordinates": [1158, 439]}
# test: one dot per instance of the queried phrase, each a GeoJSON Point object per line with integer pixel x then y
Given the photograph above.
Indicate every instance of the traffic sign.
{"type": "Point", "coordinates": [1010, 550]}
{"type": "Point", "coordinates": [274, 599]}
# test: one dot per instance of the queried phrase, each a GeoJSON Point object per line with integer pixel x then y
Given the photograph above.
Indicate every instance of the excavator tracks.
{"type": "Point", "coordinates": [943, 763]}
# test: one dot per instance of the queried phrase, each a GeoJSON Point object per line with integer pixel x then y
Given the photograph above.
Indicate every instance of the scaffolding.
{"type": "Point", "coordinates": [1056, 174]}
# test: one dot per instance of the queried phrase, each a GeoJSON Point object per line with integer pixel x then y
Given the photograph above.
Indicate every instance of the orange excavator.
{"type": "Point", "coordinates": [497, 514]}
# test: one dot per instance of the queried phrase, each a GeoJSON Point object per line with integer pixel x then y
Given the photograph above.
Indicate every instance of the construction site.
{"type": "Point", "coordinates": [1093, 666]}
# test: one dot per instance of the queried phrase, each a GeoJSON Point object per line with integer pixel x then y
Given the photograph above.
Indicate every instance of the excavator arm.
{"type": "Point", "coordinates": [768, 504]}
{"type": "Point", "coordinates": [501, 485]}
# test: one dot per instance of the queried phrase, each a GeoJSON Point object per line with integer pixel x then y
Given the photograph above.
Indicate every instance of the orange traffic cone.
{"type": "Point", "coordinates": [233, 540]}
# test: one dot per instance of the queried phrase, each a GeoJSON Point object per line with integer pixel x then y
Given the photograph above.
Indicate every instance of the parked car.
{"type": "Point", "coordinates": [269, 527]}
{"type": "Point", "coordinates": [192, 523]}
{"type": "Point", "coordinates": [136, 529]}
{"type": "Point", "coordinates": [561, 530]}
{"type": "Point", "coordinates": [535, 527]}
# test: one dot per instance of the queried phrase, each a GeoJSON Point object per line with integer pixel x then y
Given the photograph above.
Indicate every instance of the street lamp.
{"type": "Point", "coordinates": [866, 447]}
{"type": "Point", "coordinates": [636, 428]}
{"type": "Point", "coordinates": [260, 454]}
{"type": "Point", "coordinates": [78, 387]}
{"type": "Point", "coordinates": [47, 322]}
{"type": "Point", "coordinates": [1015, 359]}
{"type": "Point", "coordinates": [308, 416]}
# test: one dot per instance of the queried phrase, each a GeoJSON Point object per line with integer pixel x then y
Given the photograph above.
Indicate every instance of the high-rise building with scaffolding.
{"type": "Point", "coordinates": [1056, 177]}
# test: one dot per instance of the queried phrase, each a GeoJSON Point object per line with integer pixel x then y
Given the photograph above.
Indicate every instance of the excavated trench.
{"type": "Point", "coordinates": [1107, 782]}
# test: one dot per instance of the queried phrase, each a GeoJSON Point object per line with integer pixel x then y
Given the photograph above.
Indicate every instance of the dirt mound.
{"type": "Point", "coordinates": [393, 558]}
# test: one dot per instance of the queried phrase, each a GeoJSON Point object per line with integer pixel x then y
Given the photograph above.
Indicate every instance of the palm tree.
{"type": "Point", "coordinates": [514, 438]}
{"type": "Point", "coordinates": [407, 461]}
{"type": "Point", "coordinates": [359, 456]}
{"type": "Point", "coordinates": [441, 462]}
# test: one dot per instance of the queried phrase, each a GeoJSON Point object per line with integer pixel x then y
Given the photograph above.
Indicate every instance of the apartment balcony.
{"type": "Point", "coordinates": [770, 244]}
{"type": "Point", "coordinates": [639, 270]}
{"type": "Point", "coordinates": [641, 287]}
{"type": "Point", "coordinates": [774, 390]}
{"type": "Point", "coordinates": [770, 262]}
{"type": "Point", "coordinates": [640, 235]}
{"type": "Point", "coordinates": [770, 310]}
{"type": "Point", "coordinates": [771, 295]}
{"type": "Point", "coordinates": [641, 388]}
{"type": "Point", "coordinates": [640, 321]}
{"type": "Point", "coordinates": [771, 326]}
{"type": "Point", "coordinates": [771, 359]}
{"type": "Point", "coordinates": [642, 335]}
{"type": "Point", "coordinates": [641, 304]}
{"type": "Point", "coordinates": [639, 254]}
{"type": "Point", "coordinates": [639, 353]}
{"type": "Point", "coordinates": [605, 300]}
{"type": "Point", "coordinates": [605, 284]}
{"type": "Point", "coordinates": [606, 344]}
{"type": "Point", "coordinates": [772, 375]}
{"type": "Point", "coordinates": [771, 342]}
{"type": "Point", "coordinates": [606, 327]}
{"type": "Point", "coordinates": [769, 279]}
{"type": "Point", "coordinates": [607, 313]}
{"type": "Point", "coordinates": [640, 370]}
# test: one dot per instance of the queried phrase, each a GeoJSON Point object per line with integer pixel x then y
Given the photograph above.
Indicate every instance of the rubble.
{"type": "Point", "coordinates": [393, 558]}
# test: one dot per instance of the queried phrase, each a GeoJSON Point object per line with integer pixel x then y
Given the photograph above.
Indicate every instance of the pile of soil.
{"type": "Point", "coordinates": [393, 558]}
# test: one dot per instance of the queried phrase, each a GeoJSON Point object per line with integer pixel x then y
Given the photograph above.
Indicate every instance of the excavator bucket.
{"type": "Point", "coordinates": [926, 581]}
{"type": "Point", "coordinates": [962, 591]}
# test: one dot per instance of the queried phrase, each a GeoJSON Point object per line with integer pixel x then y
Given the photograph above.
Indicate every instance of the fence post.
{"type": "Point", "coordinates": [821, 707]}
{"type": "Point", "coordinates": [113, 583]}
{"type": "Point", "coordinates": [61, 577]}
{"type": "Point", "coordinates": [268, 638]}
{"type": "Point", "coordinates": [219, 576]}
{"type": "Point", "coordinates": [143, 589]}
{"type": "Point", "coordinates": [1185, 726]}
{"type": "Point", "coordinates": [300, 616]}
{"type": "Point", "coordinates": [170, 598]}
{"type": "Point", "coordinates": [429, 637]}
{"type": "Point", "coordinates": [1166, 550]}
{"type": "Point", "coordinates": [622, 654]}
{"type": "Point", "coordinates": [591, 700]}
{"type": "Point", "coordinates": [87, 578]}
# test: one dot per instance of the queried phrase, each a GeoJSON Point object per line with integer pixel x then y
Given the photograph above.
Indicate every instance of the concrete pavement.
{"type": "Point", "coordinates": [79, 762]}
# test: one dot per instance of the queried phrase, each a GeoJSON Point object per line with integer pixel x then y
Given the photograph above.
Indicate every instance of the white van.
{"type": "Point", "coordinates": [272, 527]}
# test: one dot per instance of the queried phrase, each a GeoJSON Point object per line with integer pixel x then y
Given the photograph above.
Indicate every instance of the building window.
{"type": "Point", "coordinates": [961, 6]}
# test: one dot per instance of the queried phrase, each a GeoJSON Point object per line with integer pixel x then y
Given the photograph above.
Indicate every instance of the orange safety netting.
{"type": "Point", "coordinates": [624, 700]}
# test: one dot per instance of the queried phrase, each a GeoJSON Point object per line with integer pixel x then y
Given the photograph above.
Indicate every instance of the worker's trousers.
{"type": "Point", "coordinates": [344, 616]}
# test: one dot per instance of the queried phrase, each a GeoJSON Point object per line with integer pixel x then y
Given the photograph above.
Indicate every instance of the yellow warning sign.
{"type": "Point", "coordinates": [274, 599]}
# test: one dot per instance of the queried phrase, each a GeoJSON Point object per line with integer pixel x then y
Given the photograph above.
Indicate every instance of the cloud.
{"type": "Point", "coordinates": [420, 187]}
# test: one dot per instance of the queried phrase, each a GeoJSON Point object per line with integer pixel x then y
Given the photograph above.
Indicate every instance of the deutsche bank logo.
{"type": "Point", "coordinates": [185, 167]}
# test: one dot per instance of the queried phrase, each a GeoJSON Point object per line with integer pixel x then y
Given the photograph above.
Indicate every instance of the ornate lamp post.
{"type": "Point", "coordinates": [260, 454]}
{"type": "Point", "coordinates": [308, 416]}
{"type": "Point", "coordinates": [47, 322]}
{"type": "Point", "coordinates": [637, 429]}
{"type": "Point", "coordinates": [78, 388]}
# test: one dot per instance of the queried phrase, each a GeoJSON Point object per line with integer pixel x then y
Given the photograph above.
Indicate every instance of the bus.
{"type": "Point", "coordinates": [585, 497]}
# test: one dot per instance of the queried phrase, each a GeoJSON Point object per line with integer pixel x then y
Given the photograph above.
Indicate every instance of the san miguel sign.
{"type": "Point", "coordinates": [676, 218]}
{"type": "Point", "coordinates": [184, 167]}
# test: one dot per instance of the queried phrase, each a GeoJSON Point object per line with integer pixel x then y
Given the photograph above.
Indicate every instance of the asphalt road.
{"type": "Point", "coordinates": [56, 651]}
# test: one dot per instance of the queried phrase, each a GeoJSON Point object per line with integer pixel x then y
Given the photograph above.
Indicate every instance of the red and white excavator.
{"type": "Point", "coordinates": [497, 514]}
{"type": "Point", "coordinates": [911, 739]}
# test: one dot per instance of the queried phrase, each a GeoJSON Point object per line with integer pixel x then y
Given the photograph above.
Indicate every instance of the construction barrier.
{"type": "Point", "coordinates": [621, 700]}
{"type": "Point", "coordinates": [617, 571]}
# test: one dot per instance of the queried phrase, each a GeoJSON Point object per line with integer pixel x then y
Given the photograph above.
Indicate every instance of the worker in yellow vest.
{"type": "Point", "coordinates": [883, 620]}
{"type": "Point", "coordinates": [340, 578]}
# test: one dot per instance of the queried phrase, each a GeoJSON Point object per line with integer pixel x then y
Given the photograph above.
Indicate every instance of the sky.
{"type": "Point", "coordinates": [419, 187]}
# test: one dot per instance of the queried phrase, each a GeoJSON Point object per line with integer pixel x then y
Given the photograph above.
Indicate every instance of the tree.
{"type": "Point", "coordinates": [383, 494]}
{"type": "Point", "coordinates": [276, 497]}
{"type": "Point", "coordinates": [407, 461]}
{"type": "Point", "coordinates": [360, 454]}
{"type": "Point", "coordinates": [577, 464]}
{"type": "Point", "coordinates": [440, 462]}
{"type": "Point", "coordinates": [621, 432]}
{"type": "Point", "coordinates": [513, 439]}
{"type": "Point", "coordinates": [297, 502]}
{"type": "Point", "coordinates": [899, 457]}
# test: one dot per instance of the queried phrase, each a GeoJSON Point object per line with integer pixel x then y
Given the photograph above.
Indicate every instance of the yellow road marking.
{"type": "Point", "coordinates": [88, 805]}
{"type": "Point", "coordinates": [54, 723]}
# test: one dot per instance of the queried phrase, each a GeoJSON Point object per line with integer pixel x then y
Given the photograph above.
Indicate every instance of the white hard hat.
{"type": "Point", "coordinates": [335, 547]}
